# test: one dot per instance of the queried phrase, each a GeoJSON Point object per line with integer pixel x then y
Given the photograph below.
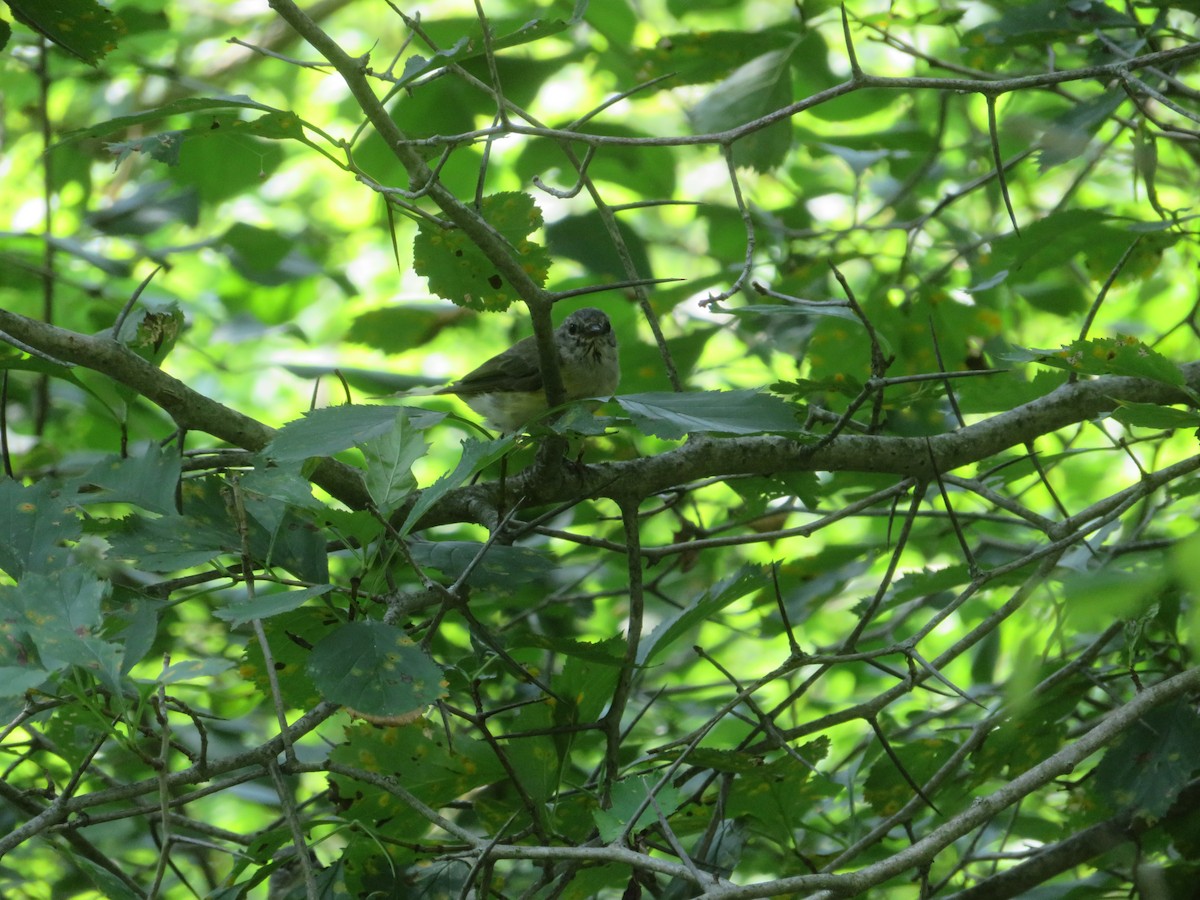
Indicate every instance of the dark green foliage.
{"type": "Point", "coordinates": [877, 578]}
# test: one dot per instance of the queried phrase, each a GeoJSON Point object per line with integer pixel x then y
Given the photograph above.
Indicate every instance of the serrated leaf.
{"type": "Point", "coordinates": [1151, 763]}
{"type": "Point", "coordinates": [501, 568]}
{"type": "Point", "coordinates": [60, 613]}
{"type": "Point", "coordinates": [174, 108]}
{"type": "Point", "coordinates": [775, 793]}
{"type": "Point", "coordinates": [83, 28]}
{"type": "Point", "coordinates": [886, 788]}
{"type": "Point", "coordinates": [672, 415]}
{"type": "Point", "coordinates": [627, 798]}
{"type": "Point", "coordinates": [264, 606]}
{"type": "Point", "coordinates": [35, 524]}
{"type": "Point", "coordinates": [476, 456]}
{"type": "Point", "coordinates": [1122, 355]}
{"type": "Point", "coordinates": [460, 272]}
{"type": "Point", "coordinates": [324, 432]}
{"type": "Point", "coordinates": [148, 480]}
{"type": "Point", "coordinates": [1151, 415]}
{"type": "Point", "coordinates": [390, 458]}
{"type": "Point", "coordinates": [757, 88]}
{"type": "Point", "coordinates": [374, 668]}
{"type": "Point", "coordinates": [712, 601]}
{"type": "Point", "coordinates": [433, 768]}
{"type": "Point", "coordinates": [695, 57]}
{"type": "Point", "coordinates": [192, 670]}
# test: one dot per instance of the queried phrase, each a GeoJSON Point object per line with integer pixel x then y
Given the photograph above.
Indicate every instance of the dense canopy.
{"type": "Point", "coordinates": [877, 576]}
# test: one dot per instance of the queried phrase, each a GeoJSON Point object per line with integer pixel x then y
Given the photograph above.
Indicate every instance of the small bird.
{"type": "Point", "coordinates": [507, 390]}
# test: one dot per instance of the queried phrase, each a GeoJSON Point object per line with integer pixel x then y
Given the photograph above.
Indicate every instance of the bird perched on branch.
{"type": "Point", "coordinates": [508, 391]}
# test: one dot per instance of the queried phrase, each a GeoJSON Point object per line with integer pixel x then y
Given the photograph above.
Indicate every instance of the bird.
{"type": "Point", "coordinates": [508, 390]}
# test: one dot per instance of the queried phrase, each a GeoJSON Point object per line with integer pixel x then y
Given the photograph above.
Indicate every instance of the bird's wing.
{"type": "Point", "coordinates": [512, 370]}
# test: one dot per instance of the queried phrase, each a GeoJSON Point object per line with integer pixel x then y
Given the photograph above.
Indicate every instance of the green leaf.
{"type": "Point", "coordinates": [35, 524]}
{"type": "Point", "coordinates": [779, 793]}
{"type": "Point", "coordinates": [395, 328]}
{"type": "Point", "coordinates": [757, 88]}
{"type": "Point", "coordinates": [281, 536]}
{"type": "Point", "coordinates": [696, 57]}
{"type": "Point", "coordinates": [584, 239]}
{"type": "Point", "coordinates": [16, 680]}
{"type": "Point", "coordinates": [107, 884]}
{"type": "Point", "coordinates": [83, 28]}
{"type": "Point", "coordinates": [330, 430]}
{"type": "Point", "coordinates": [276, 534]}
{"type": "Point", "coordinates": [1150, 763]}
{"type": "Point", "coordinates": [152, 329]}
{"type": "Point", "coordinates": [170, 543]}
{"type": "Point", "coordinates": [476, 456]}
{"type": "Point", "coordinates": [792, 308]}
{"type": "Point", "coordinates": [149, 480]}
{"type": "Point", "coordinates": [174, 108]}
{"type": "Point", "coordinates": [266, 605]}
{"type": "Point", "coordinates": [887, 790]}
{"type": "Point", "coordinates": [1033, 731]}
{"type": "Point", "coordinates": [1045, 21]}
{"type": "Point", "coordinates": [587, 679]}
{"type": "Point", "coordinates": [163, 147]}
{"type": "Point", "coordinates": [147, 210]}
{"type": "Point", "coordinates": [460, 272]}
{"type": "Point", "coordinates": [192, 670]}
{"type": "Point", "coordinates": [390, 458]}
{"type": "Point", "coordinates": [1068, 136]}
{"type": "Point", "coordinates": [712, 601]}
{"type": "Point", "coordinates": [281, 484]}
{"type": "Point", "coordinates": [502, 568]}
{"type": "Point", "coordinates": [1122, 355]}
{"type": "Point", "coordinates": [434, 769]}
{"type": "Point", "coordinates": [60, 612]}
{"type": "Point", "coordinates": [1151, 415]}
{"type": "Point", "coordinates": [291, 637]}
{"type": "Point", "coordinates": [471, 45]}
{"type": "Point", "coordinates": [627, 798]}
{"type": "Point", "coordinates": [672, 415]}
{"type": "Point", "coordinates": [375, 669]}
{"type": "Point", "coordinates": [266, 256]}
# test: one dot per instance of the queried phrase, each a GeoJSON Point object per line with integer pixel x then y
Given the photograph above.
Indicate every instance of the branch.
{"type": "Point", "coordinates": [483, 235]}
{"type": "Point", "coordinates": [981, 811]}
{"type": "Point", "coordinates": [632, 479]}
{"type": "Point", "coordinates": [189, 410]}
{"type": "Point", "coordinates": [904, 456]}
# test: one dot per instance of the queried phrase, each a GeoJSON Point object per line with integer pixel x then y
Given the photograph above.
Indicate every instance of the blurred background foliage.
{"type": "Point", "coordinates": [809, 672]}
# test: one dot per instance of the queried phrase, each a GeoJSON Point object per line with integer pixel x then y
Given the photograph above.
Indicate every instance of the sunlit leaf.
{"type": "Point", "coordinates": [671, 416]}
{"type": "Point", "coordinates": [460, 272]}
